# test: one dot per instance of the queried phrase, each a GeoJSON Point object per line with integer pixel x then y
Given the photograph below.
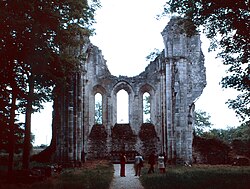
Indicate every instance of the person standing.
{"type": "Point", "coordinates": [138, 164]}
{"type": "Point", "coordinates": [151, 162]}
{"type": "Point", "coordinates": [161, 164]}
{"type": "Point", "coordinates": [123, 161]}
{"type": "Point", "coordinates": [165, 159]}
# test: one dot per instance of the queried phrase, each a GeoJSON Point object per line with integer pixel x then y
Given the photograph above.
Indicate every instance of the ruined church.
{"type": "Point", "coordinates": [174, 81]}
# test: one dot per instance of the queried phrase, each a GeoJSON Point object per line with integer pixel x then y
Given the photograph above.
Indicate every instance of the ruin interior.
{"type": "Point", "coordinates": [174, 81]}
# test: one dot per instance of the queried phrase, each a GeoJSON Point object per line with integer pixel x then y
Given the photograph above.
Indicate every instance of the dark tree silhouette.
{"type": "Point", "coordinates": [34, 37]}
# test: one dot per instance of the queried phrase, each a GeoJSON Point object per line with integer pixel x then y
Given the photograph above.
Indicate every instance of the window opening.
{"type": "Point", "coordinates": [122, 107]}
{"type": "Point", "coordinates": [146, 108]}
{"type": "Point", "coordinates": [98, 108]}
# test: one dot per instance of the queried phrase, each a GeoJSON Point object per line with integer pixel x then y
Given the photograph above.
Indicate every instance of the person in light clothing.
{"type": "Point", "coordinates": [138, 164]}
{"type": "Point", "coordinates": [161, 164]}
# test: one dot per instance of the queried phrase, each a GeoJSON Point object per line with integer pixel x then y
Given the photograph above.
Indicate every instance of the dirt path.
{"type": "Point", "coordinates": [129, 182]}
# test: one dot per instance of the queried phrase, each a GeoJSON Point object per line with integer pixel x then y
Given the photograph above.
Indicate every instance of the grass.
{"type": "Point", "coordinates": [91, 176]}
{"type": "Point", "coordinates": [99, 174]}
{"type": "Point", "coordinates": [199, 177]}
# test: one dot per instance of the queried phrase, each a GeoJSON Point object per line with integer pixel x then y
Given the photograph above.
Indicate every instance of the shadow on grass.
{"type": "Point", "coordinates": [97, 176]}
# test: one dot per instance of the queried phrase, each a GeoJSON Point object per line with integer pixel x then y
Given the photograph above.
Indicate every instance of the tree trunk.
{"type": "Point", "coordinates": [47, 155]}
{"type": "Point", "coordinates": [27, 137]}
{"type": "Point", "coordinates": [11, 134]}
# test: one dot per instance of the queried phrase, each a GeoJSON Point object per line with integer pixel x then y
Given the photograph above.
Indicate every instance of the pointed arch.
{"type": "Point", "coordinates": [146, 107]}
{"type": "Point", "coordinates": [121, 85]}
{"type": "Point", "coordinates": [122, 106]}
{"type": "Point", "coordinates": [98, 108]}
{"type": "Point", "coordinates": [149, 91]}
{"type": "Point", "coordinates": [102, 118]}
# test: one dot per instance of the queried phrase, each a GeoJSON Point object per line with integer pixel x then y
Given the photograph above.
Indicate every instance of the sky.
{"type": "Point", "coordinates": [127, 31]}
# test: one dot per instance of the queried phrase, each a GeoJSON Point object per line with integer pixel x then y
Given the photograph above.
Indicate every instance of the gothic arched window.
{"type": "Point", "coordinates": [146, 107]}
{"type": "Point", "coordinates": [98, 108]}
{"type": "Point", "coordinates": [122, 107]}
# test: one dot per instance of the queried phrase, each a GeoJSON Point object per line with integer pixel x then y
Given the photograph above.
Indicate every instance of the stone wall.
{"type": "Point", "coordinates": [149, 139]}
{"type": "Point", "coordinates": [174, 80]}
{"type": "Point", "coordinates": [97, 142]}
{"type": "Point", "coordinates": [185, 81]}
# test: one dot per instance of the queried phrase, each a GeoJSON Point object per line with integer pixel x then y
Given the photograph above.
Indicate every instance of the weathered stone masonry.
{"type": "Point", "coordinates": [174, 80]}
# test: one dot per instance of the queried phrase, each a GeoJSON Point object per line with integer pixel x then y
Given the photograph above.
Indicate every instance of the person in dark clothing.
{"type": "Point", "coordinates": [151, 162]}
{"type": "Point", "coordinates": [123, 160]}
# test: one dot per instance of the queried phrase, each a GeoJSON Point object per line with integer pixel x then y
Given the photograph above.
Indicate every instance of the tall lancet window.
{"type": "Point", "coordinates": [98, 108]}
{"type": "Point", "coordinates": [146, 108]}
{"type": "Point", "coordinates": [122, 107]}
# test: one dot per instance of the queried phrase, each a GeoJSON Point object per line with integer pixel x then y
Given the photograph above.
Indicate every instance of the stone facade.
{"type": "Point", "coordinates": [174, 80]}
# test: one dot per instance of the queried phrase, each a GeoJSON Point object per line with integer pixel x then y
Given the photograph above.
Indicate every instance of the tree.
{"type": "Point", "coordinates": [34, 38]}
{"type": "Point", "coordinates": [226, 24]}
{"type": "Point", "coordinates": [146, 107]}
{"type": "Point", "coordinates": [98, 113]}
{"type": "Point", "coordinates": [230, 134]}
{"type": "Point", "coordinates": [201, 122]}
{"type": "Point", "coordinates": [12, 83]}
{"type": "Point", "coordinates": [74, 33]}
{"type": "Point", "coordinates": [237, 138]}
{"type": "Point", "coordinates": [155, 53]}
{"type": "Point", "coordinates": [24, 42]}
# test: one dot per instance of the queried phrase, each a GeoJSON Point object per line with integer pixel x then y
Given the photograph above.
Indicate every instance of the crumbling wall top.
{"type": "Point", "coordinates": [178, 25]}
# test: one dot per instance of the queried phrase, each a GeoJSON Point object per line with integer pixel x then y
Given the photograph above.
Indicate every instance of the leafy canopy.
{"type": "Point", "coordinates": [201, 122]}
{"type": "Point", "coordinates": [35, 37]}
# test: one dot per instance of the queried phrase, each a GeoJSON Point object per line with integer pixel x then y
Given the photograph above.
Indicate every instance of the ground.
{"type": "Point", "coordinates": [128, 182]}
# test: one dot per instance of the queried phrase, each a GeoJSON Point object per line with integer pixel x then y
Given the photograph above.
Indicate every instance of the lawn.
{"type": "Point", "coordinates": [98, 175]}
{"type": "Point", "coordinates": [198, 177]}
{"type": "Point", "coordinates": [93, 175]}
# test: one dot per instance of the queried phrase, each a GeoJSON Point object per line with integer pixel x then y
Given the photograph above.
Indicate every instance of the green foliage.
{"type": "Point", "coordinates": [35, 41]}
{"type": "Point", "coordinates": [241, 105]}
{"type": "Point", "coordinates": [216, 177]}
{"type": "Point", "coordinates": [201, 122]}
{"type": "Point", "coordinates": [146, 101]}
{"type": "Point", "coordinates": [226, 23]}
{"type": "Point", "coordinates": [241, 147]}
{"type": "Point", "coordinates": [98, 113]}
{"type": "Point", "coordinates": [230, 134]}
{"type": "Point", "coordinates": [146, 107]}
{"type": "Point", "coordinates": [213, 144]}
{"type": "Point", "coordinates": [237, 138]}
{"type": "Point", "coordinates": [242, 132]}
{"type": "Point", "coordinates": [34, 37]}
{"type": "Point", "coordinates": [155, 53]}
{"type": "Point", "coordinates": [213, 150]}
{"type": "Point", "coordinates": [18, 137]}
